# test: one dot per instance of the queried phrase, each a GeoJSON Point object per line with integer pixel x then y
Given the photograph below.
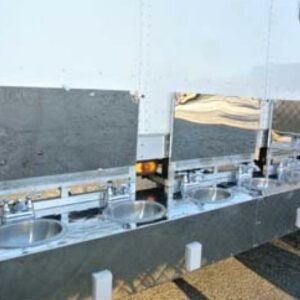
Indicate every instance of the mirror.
{"type": "Point", "coordinates": [207, 126]}
{"type": "Point", "coordinates": [54, 131]}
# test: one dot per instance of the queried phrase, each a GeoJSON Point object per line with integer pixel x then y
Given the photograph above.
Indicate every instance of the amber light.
{"type": "Point", "coordinates": [146, 167]}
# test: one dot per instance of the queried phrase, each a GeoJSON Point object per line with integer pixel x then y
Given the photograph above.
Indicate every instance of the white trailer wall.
{"type": "Point", "coordinates": [284, 59]}
{"type": "Point", "coordinates": [156, 47]}
{"type": "Point", "coordinates": [205, 46]}
{"type": "Point", "coordinates": [71, 43]}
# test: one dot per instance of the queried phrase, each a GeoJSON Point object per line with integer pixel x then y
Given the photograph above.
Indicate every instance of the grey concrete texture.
{"type": "Point", "coordinates": [55, 131]}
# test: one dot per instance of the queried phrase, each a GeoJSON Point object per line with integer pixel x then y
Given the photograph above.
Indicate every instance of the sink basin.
{"type": "Point", "coordinates": [135, 212]}
{"type": "Point", "coordinates": [209, 195]}
{"type": "Point", "coordinates": [30, 233]}
{"type": "Point", "coordinates": [261, 184]}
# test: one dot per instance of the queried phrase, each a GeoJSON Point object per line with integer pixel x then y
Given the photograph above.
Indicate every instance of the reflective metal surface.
{"type": "Point", "coordinates": [208, 195]}
{"type": "Point", "coordinates": [47, 131]}
{"type": "Point", "coordinates": [135, 212]}
{"type": "Point", "coordinates": [208, 126]}
{"type": "Point", "coordinates": [30, 233]}
{"type": "Point", "coordinates": [261, 184]}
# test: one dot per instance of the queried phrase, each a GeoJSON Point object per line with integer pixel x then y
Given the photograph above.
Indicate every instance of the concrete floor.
{"type": "Point", "coordinates": [271, 271]}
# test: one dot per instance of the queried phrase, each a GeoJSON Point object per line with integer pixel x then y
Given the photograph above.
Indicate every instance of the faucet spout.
{"type": "Point", "coordinates": [245, 172]}
{"type": "Point", "coordinates": [19, 210]}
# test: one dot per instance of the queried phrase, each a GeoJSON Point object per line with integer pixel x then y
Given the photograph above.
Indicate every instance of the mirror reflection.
{"type": "Point", "coordinates": [207, 126]}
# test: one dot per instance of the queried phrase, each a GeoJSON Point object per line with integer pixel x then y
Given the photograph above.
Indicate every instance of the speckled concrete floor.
{"type": "Point", "coordinates": [271, 271]}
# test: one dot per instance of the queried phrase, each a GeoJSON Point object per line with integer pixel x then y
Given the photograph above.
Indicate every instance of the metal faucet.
{"type": "Point", "coordinates": [245, 172]}
{"type": "Point", "coordinates": [185, 180]}
{"type": "Point", "coordinates": [19, 210]}
{"type": "Point", "coordinates": [281, 170]}
{"type": "Point", "coordinates": [190, 179]}
{"type": "Point", "coordinates": [107, 194]}
{"type": "Point", "coordinates": [197, 176]}
{"type": "Point", "coordinates": [286, 168]}
{"type": "Point", "coordinates": [110, 190]}
{"type": "Point", "coordinates": [5, 207]}
{"type": "Point", "coordinates": [115, 193]}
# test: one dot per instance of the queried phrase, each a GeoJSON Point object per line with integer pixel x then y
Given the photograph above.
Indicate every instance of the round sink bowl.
{"type": "Point", "coordinates": [209, 195]}
{"type": "Point", "coordinates": [135, 212]}
{"type": "Point", "coordinates": [30, 233]}
{"type": "Point", "coordinates": [261, 184]}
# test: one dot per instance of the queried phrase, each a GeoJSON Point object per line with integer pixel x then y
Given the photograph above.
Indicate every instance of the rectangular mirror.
{"type": "Point", "coordinates": [56, 131]}
{"type": "Point", "coordinates": [208, 126]}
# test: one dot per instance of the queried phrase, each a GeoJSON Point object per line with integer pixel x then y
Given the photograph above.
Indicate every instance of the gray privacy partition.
{"type": "Point", "coordinates": [286, 116]}
{"type": "Point", "coordinates": [56, 131]}
{"type": "Point", "coordinates": [286, 124]}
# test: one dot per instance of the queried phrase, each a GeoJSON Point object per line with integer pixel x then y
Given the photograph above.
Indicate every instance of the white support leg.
{"type": "Point", "coordinates": [102, 285]}
{"type": "Point", "coordinates": [193, 256]}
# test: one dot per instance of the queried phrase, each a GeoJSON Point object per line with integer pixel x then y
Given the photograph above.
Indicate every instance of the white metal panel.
{"type": "Point", "coordinates": [155, 110]}
{"type": "Point", "coordinates": [217, 46]}
{"type": "Point", "coordinates": [76, 44]}
{"type": "Point", "coordinates": [152, 146]}
{"type": "Point", "coordinates": [284, 68]}
{"type": "Point", "coordinates": [210, 46]}
{"type": "Point", "coordinates": [156, 104]}
{"type": "Point", "coordinates": [156, 47]}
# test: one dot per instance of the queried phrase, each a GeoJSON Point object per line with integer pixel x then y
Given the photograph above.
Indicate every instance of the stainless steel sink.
{"type": "Point", "coordinates": [29, 233]}
{"type": "Point", "coordinates": [261, 184]}
{"type": "Point", "coordinates": [135, 212]}
{"type": "Point", "coordinates": [209, 195]}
